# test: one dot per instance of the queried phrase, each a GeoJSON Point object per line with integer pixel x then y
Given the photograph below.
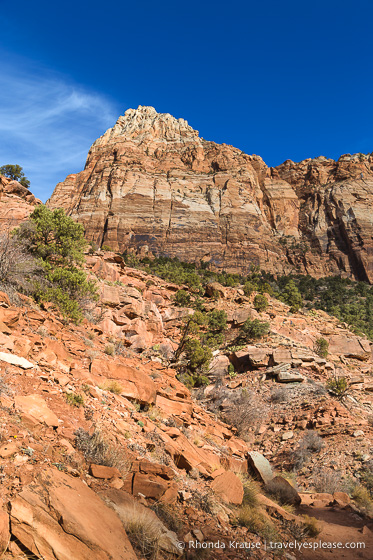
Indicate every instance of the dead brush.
{"type": "Point", "coordinates": [245, 410]}
{"type": "Point", "coordinates": [98, 449]}
{"type": "Point", "coordinates": [310, 443]}
{"type": "Point", "coordinates": [206, 501]}
{"type": "Point", "coordinates": [4, 387]}
{"type": "Point", "coordinates": [327, 481]}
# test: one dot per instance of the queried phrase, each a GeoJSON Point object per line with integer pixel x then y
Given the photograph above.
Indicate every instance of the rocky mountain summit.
{"type": "Point", "coordinates": [151, 184]}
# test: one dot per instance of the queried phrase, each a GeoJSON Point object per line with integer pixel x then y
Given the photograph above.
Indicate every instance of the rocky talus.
{"type": "Point", "coordinates": [151, 184]}
{"type": "Point", "coordinates": [105, 454]}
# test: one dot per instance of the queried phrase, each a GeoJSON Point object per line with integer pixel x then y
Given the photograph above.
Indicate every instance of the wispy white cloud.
{"type": "Point", "coordinates": [47, 123]}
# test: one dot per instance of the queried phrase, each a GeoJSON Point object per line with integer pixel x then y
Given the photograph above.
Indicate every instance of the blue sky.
{"type": "Point", "coordinates": [285, 80]}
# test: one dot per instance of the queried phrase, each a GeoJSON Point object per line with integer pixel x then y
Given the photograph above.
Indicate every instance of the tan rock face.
{"type": "Point", "coordinates": [4, 531]}
{"type": "Point", "coordinates": [152, 184]}
{"type": "Point", "coordinates": [16, 203]}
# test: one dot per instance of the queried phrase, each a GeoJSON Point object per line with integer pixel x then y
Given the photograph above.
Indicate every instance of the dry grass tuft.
{"type": "Point", "coordinates": [144, 532]}
{"type": "Point", "coordinates": [250, 491]}
{"type": "Point", "coordinates": [257, 522]}
{"type": "Point", "coordinates": [362, 497]}
{"type": "Point", "coordinates": [311, 526]}
{"type": "Point", "coordinates": [109, 350]}
{"type": "Point", "coordinates": [112, 386]}
{"type": "Point", "coordinates": [98, 449]}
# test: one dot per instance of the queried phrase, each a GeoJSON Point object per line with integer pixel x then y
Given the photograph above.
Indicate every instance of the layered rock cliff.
{"type": "Point", "coordinates": [152, 184]}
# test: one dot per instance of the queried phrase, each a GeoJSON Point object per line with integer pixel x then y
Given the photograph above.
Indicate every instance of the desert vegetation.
{"type": "Point", "coordinates": [348, 300]}
{"type": "Point", "coordinates": [43, 257]}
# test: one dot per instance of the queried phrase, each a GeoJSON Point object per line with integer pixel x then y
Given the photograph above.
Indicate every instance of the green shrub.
{"type": "Point", "coordinates": [338, 386]}
{"type": "Point", "coordinates": [68, 288]}
{"type": "Point", "coordinates": [249, 288]}
{"type": "Point", "coordinates": [75, 399]}
{"type": "Point", "coordinates": [260, 303]}
{"type": "Point", "coordinates": [292, 296]}
{"type": "Point", "coordinates": [266, 288]}
{"type": "Point", "coordinates": [57, 242]}
{"type": "Point", "coordinates": [322, 347]}
{"type": "Point", "coordinates": [217, 320]}
{"type": "Point", "coordinates": [182, 297]}
{"type": "Point", "coordinates": [212, 340]}
{"type": "Point", "coordinates": [198, 356]}
{"type": "Point", "coordinates": [253, 329]}
{"type": "Point", "coordinates": [53, 236]}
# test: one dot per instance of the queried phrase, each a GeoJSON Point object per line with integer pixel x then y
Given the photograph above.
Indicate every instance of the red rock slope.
{"type": "Point", "coordinates": [162, 456]}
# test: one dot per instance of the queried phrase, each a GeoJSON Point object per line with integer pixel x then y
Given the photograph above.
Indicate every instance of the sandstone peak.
{"type": "Point", "coordinates": [150, 184]}
{"type": "Point", "coordinates": [145, 123]}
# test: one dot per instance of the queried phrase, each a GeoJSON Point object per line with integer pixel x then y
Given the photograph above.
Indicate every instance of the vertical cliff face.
{"type": "Point", "coordinates": [152, 184]}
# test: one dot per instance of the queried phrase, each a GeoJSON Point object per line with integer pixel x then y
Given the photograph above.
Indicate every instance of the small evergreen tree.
{"type": "Point", "coordinates": [15, 172]}
{"type": "Point", "coordinates": [57, 242]}
{"type": "Point", "coordinates": [260, 302]}
{"type": "Point", "coordinates": [217, 320]}
{"type": "Point", "coordinates": [292, 296]}
{"type": "Point", "coordinates": [253, 329]}
{"type": "Point", "coordinates": [182, 298]}
{"type": "Point", "coordinates": [249, 288]}
{"type": "Point", "coordinates": [322, 347]}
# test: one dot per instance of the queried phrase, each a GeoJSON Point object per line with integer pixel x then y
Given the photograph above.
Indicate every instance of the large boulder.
{"type": "Point", "coordinates": [260, 466]}
{"type": "Point", "coordinates": [283, 491]}
{"type": "Point", "coordinates": [15, 360]}
{"type": "Point", "coordinates": [219, 366]}
{"type": "Point", "coordinates": [37, 408]}
{"type": "Point", "coordinates": [350, 347]}
{"type": "Point", "coordinates": [229, 487]}
{"type": "Point", "coordinates": [134, 383]}
{"type": "Point", "coordinates": [251, 357]}
{"type": "Point", "coordinates": [60, 518]}
{"type": "Point", "coordinates": [110, 295]}
{"type": "Point", "coordinates": [4, 532]}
